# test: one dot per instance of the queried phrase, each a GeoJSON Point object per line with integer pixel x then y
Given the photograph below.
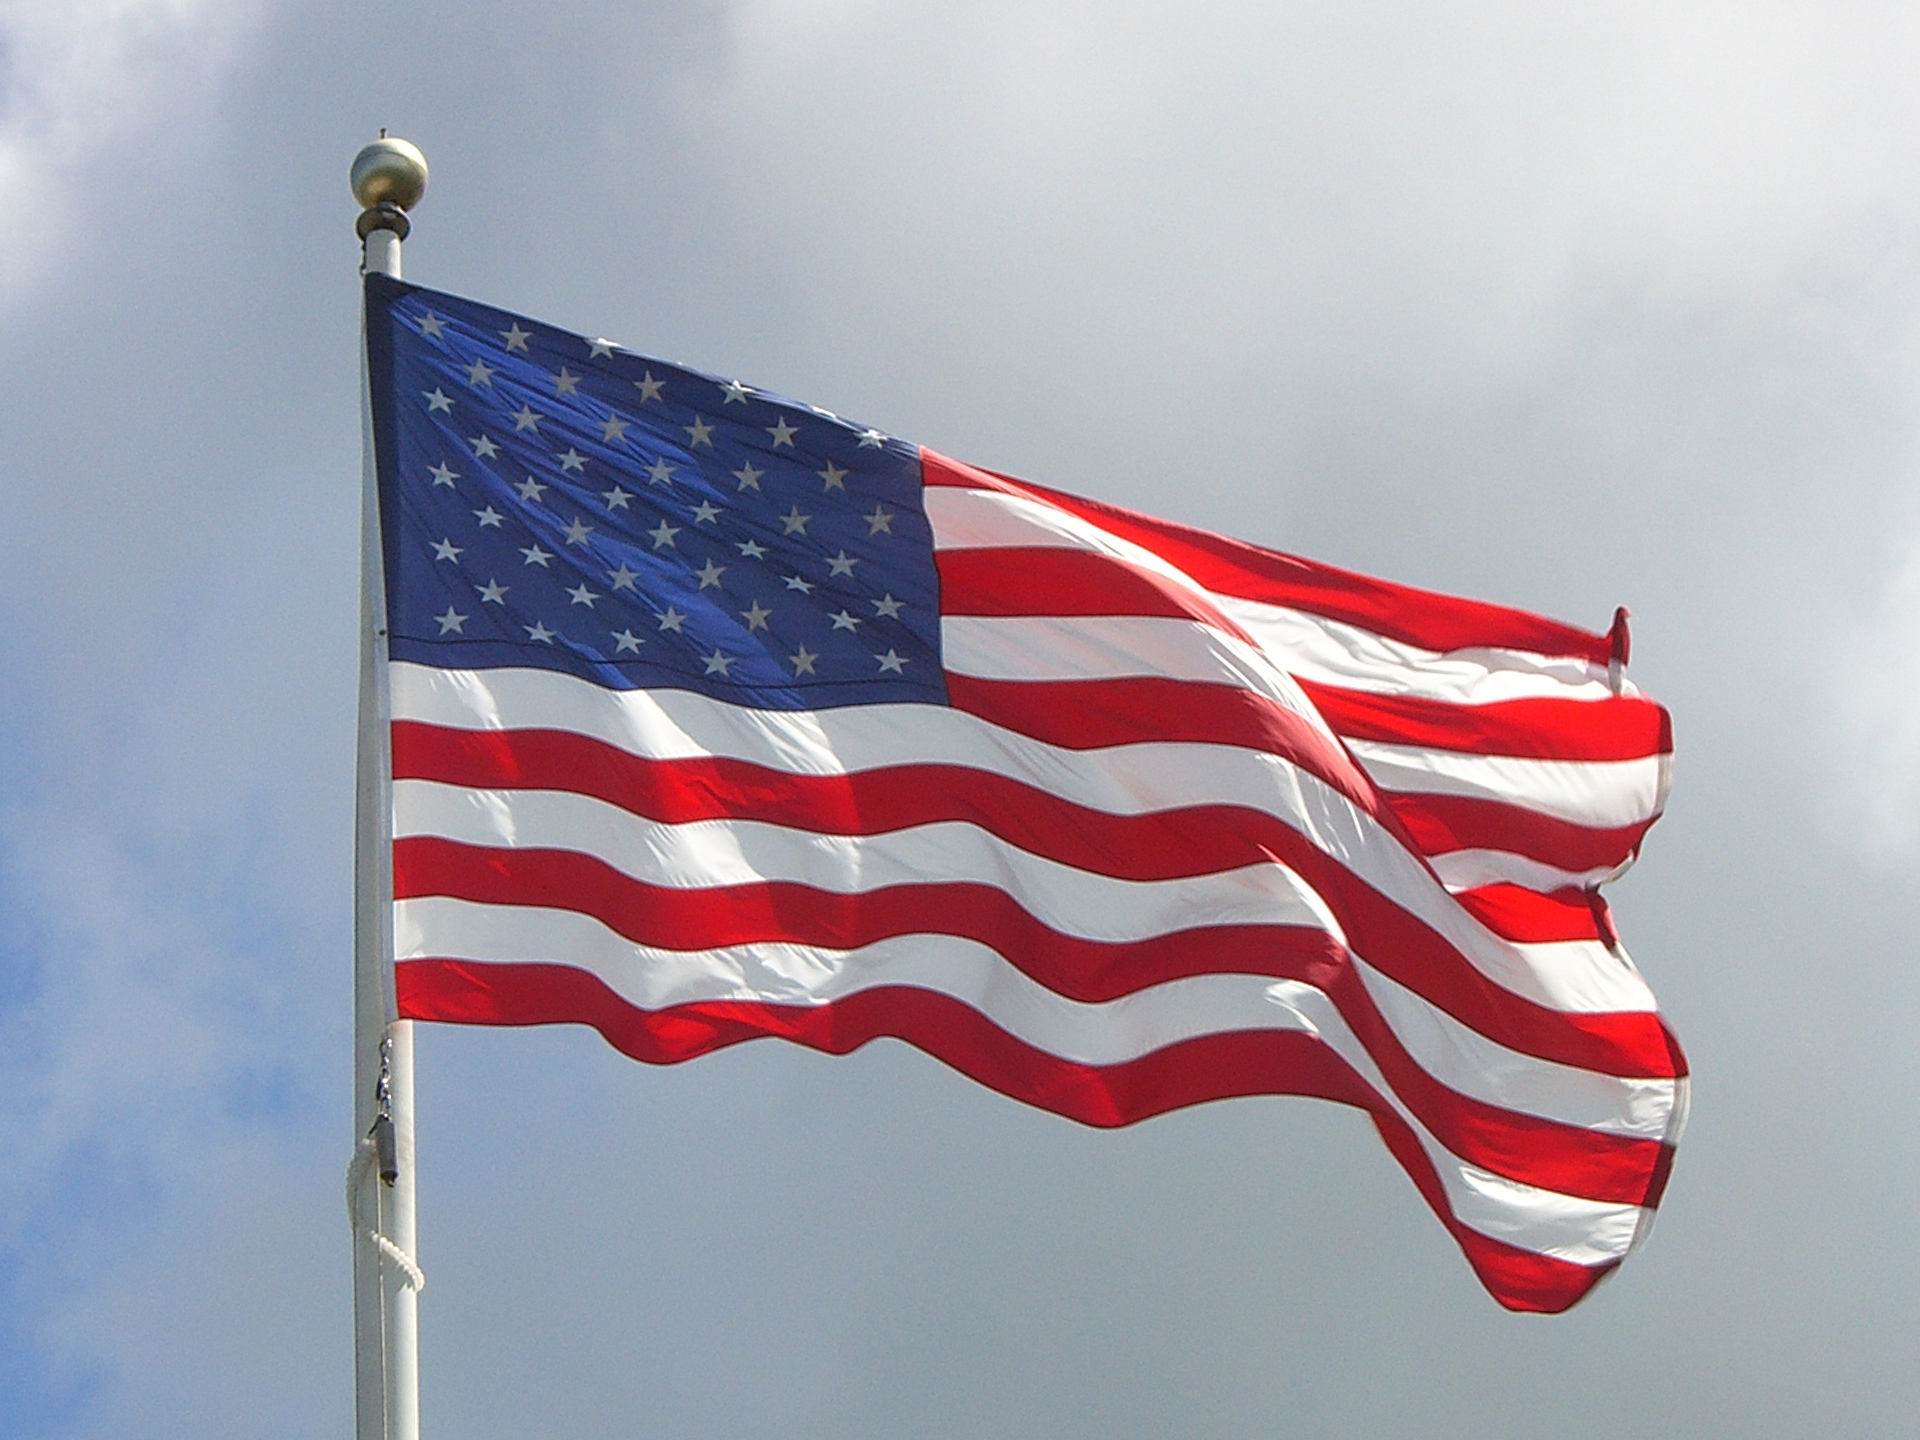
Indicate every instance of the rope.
{"type": "Point", "coordinates": [416, 1279]}
{"type": "Point", "coordinates": [363, 1156]}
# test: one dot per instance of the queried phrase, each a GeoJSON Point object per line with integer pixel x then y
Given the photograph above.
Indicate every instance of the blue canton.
{"type": "Point", "coordinates": [549, 500]}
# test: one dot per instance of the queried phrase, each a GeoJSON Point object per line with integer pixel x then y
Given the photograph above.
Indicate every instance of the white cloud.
{"type": "Point", "coordinates": [77, 75]}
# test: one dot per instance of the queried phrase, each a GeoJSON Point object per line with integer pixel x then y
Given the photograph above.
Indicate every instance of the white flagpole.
{"type": "Point", "coordinates": [389, 177]}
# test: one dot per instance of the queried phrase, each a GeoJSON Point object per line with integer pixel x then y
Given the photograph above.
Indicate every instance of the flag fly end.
{"type": "Point", "coordinates": [1619, 647]}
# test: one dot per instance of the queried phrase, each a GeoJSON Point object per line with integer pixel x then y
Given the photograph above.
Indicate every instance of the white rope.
{"type": "Point", "coordinates": [416, 1280]}
{"type": "Point", "coordinates": [363, 1154]}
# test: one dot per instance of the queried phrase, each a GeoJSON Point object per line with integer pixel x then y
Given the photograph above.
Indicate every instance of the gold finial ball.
{"type": "Point", "coordinates": [389, 170]}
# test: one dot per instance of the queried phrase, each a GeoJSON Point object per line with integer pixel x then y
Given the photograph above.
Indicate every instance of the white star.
{"type": "Point", "coordinates": [795, 522]}
{"type": "Point", "coordinates": [663, 534]}
{"type": "Point", "coordinates": [582, 595]}
{"type": "Point", "coordinates": [481, 373]}
{"type": "Point", "coordinates": [748, 477]}
{"type": "Point", "coordinates": [841, 564]}
{"type": "Point", "coordinates": [802, 661]}
{"type": "Point", "coordinates": [494, 593]}
{"type": "Point", "coordinates": [623, 578]}
{"type": "Point", "coordinates": [717, 663]}
{"type": "Point", "coordinates": [835, 477]}
{"type": "Point", "coordinates": [628, 641]}
{"type": "Point", "coordinates": [660, 473]}
{"type": "Point", "coordinates": [888, 607]}
{"type": "Point", "coordinates": [672, 620]}
{"type": "Point", "coordinates": [599, 348]}
{"type": "Point", "coordinates": [536, 556]}
{"type": "Point", "coordinates": [452, 620]}
{"type": "Point", "coordinates": [782, 433]}
{"type": "Point", "coordinates": [795, 582]}
{"type": "Point", "coordinates": [526, 418]}
{"type": "Point", "coordinates": [446, 550]}
{"type": "Point", "coordinates": [752, 549]}
{"type": "Point", "coordinates": [571, 461]}
{"type": "Point", "coordinates": [710, 574]}
{"type": "Point", "coordinates": [484, 448]}
{"type": "Point", "coordinates": [705, 512]}
{"type": "Point", "coordinates": [614, 428]}
{"type": "Point", "coordinates": [539, 631]}
{"type": "Point", "coordinates": [516, 338]}
{"type": "Point", "coordinates": [530, 489]}
{"type": "Point", "coordinates": [844, 621]}
{"type": "Point", "coordinates": [566, 382]}
{"type": "Point", "coordinates": [489, 518]}
{"type": "Point", "coordinates": [616, 498]}
{"type": "Point", "coordinates": [649, 387]}
{"type": "Point", "coordinates": [734, 390]}
{"type": "Point", "coordinates": [436, 400]}
{"type": "Point", "coordinates": [879, 520]}
{"type": "Point", "coordinates": [432, 326]}
{"type": "Point", "coordinates": [578, 531]}
{"type": "Point", "coordinates": [699, 433]}
{"type": "Point", "coordinates": [893, 662]}
{"type": "Point", "coordinates": [755, 617]}
{"type": "Point", "coordinates": [871, 439]}
{"type": "Point", "coordinates": [442, 475]}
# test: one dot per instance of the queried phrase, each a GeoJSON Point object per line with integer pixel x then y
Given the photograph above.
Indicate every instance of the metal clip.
{"type": "Point", "coordinates": [386, 1145]}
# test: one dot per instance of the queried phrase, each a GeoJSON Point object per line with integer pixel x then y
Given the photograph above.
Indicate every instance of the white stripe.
{"type": "Point", "coordinates": [1332, 652]}
{"type": "Point", "coordinates": [700, 854]}
{"type": "Point", "coordinates": [1112, 647]}
{"type": "Point", "coordinates": [1121, 780]}
{"type": "Point", "coordinates": [1583, 1231]}
{"type": "Point", "coordinates": [1471, 869]}
{"type": "Point", "coordinates": [1481, 1069]}
{"type": "Point", "coordinates": [993, 520]}
{"type": "Point", "coordinates": [1599, 794]}
{"type": "Point", "coordinates": [1313, 647]}
{"type": "Point", "coordinates": [1098, 647]}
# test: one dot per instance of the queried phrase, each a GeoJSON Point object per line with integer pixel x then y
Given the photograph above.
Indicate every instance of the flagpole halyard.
{"type": "Point", "coordinates": [388, 178]}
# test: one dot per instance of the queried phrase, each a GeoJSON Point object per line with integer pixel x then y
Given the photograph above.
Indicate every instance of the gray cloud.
{"type": "Point", "coordinates": [1876, 682]}
{"type": "Point", "coordinates": [1608, 304]}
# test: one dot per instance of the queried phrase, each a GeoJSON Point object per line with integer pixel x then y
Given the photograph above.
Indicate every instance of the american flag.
{"type": "Point", "coordinates": [717, 716]}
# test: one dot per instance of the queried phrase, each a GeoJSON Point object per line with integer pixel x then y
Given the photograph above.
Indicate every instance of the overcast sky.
{"type": "Point", "coordinates": [1560, 306]}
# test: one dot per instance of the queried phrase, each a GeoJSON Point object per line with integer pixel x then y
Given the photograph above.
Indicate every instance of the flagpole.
{"type": "Point", "coordinates": [388, 177]}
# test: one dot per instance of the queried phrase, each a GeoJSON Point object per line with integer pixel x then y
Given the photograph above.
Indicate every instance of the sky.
{"type": "Point", "coordinates": [1558, 306]}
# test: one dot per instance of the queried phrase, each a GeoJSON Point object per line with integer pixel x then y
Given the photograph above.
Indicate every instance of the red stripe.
{"type": "Point", "coordinates": [1096, 714]}
{"type": "Point", "coordinates": [1029, 582]}
{"type": "Point", "coordinates": [1616, 728]}
{"type": "Point", "coordinates": [1529, 917]}
{"type": "Point", "coordinates": [1442, 824]}
{"type": "Point", "coordinates": [1232, 567]}
{"type": "Point", "coordinates": [1166, 844]}
{"type": "Point", "coordinates": [1188, 1073]}
{"type": "Point", "coordinates": [1569, 1159]}
{"type": "Point", "coordinates": [713, 917]}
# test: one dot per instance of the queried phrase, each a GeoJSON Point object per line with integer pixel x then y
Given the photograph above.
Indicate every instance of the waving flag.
{"type": "Point", "coordinates": [717, 717]}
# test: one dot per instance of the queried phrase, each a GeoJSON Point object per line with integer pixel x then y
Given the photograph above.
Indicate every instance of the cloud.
{"type": "Point", "coordinates": [1563, 306]}
{"type": "Point", "coordinates": [1877, 704]}
{"type": "Point", "coordinates": [78, 75]}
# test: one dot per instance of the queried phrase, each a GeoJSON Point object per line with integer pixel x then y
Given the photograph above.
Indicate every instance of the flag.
{"type": "Point", "coordinates": [717, 716]}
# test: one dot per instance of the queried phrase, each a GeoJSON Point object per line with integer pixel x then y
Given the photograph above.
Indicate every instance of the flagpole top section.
{"type": "Point", "coordinates": [390, 171]}
{"type": "Point", "coordinates": [388, 177]}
